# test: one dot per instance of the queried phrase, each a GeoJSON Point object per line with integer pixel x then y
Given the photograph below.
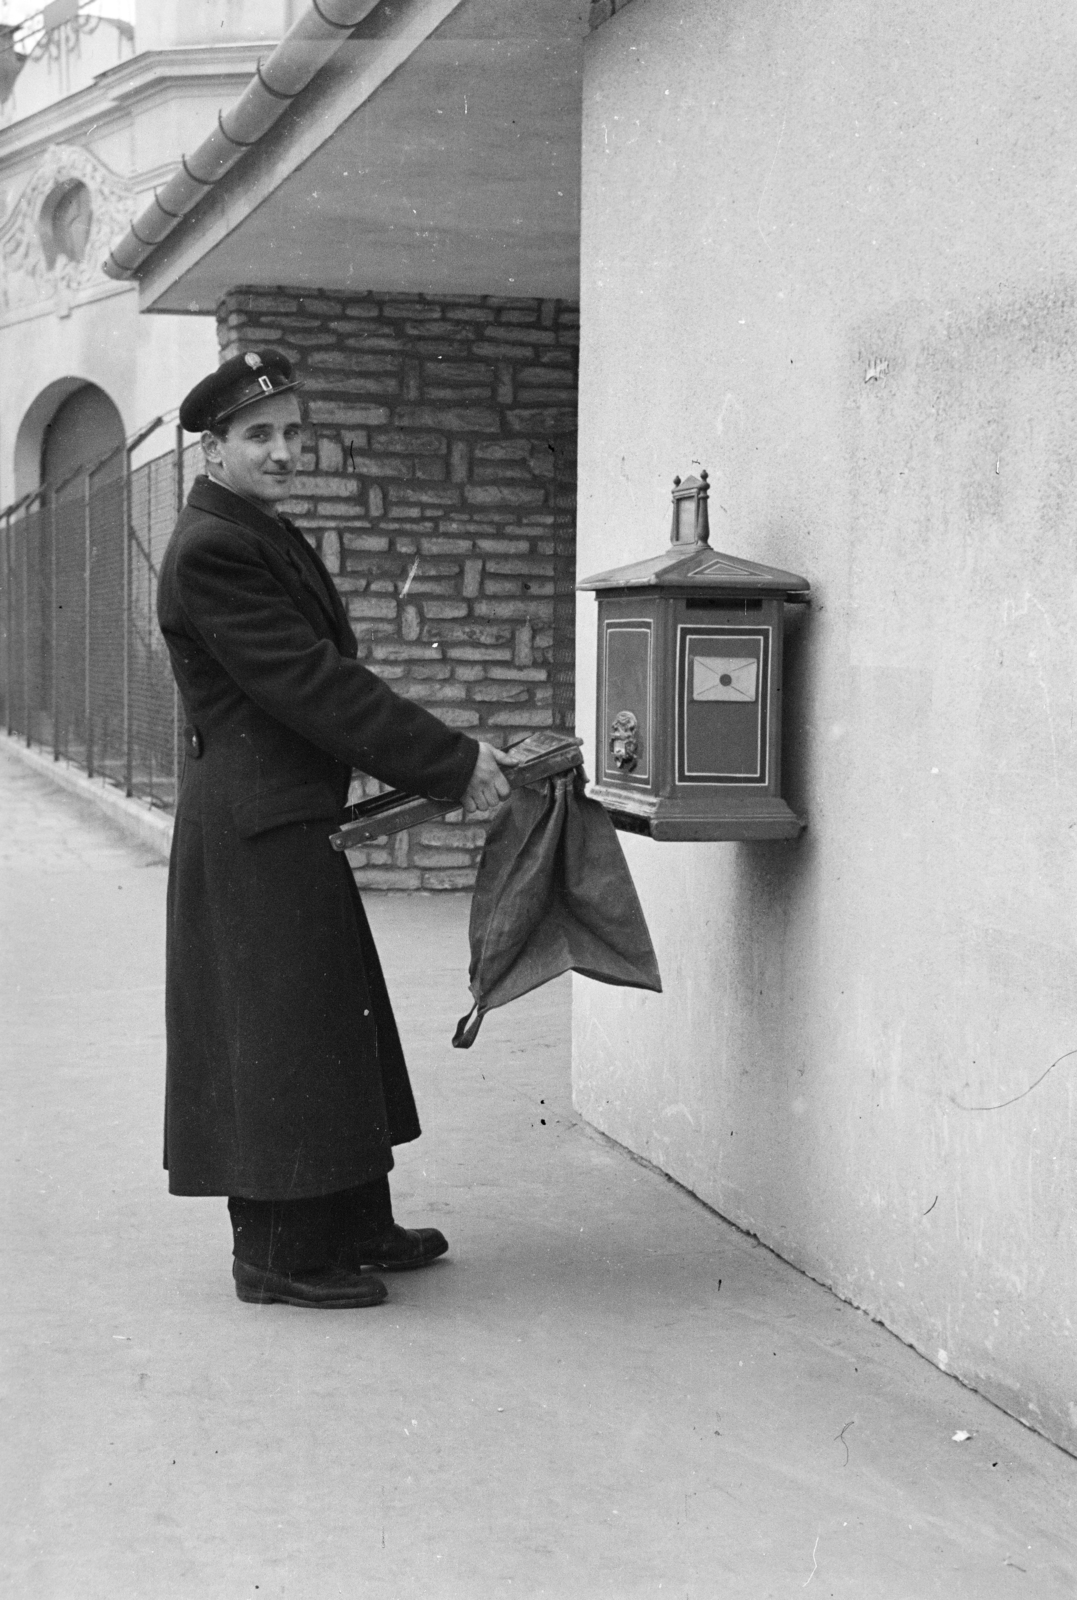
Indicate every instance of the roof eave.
{"type": "Point", "coordinates": [285, 113]}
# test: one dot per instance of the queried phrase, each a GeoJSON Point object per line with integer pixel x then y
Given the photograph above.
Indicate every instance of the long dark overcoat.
{"type": "Point", "coordinates": [285, 1073]}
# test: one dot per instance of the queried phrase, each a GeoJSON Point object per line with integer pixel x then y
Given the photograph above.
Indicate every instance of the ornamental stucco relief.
{"type": "Point", "coordinates": [57, 233]}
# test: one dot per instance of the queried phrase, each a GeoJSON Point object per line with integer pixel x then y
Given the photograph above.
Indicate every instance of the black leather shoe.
{"type": "Point", "coordinates": [338, 1289]}
{"type": "Point", "coordinates": [401, 1250]}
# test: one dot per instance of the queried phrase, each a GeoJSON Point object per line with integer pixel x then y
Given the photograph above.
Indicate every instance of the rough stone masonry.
{"type": "Point", "coordinates": [441, 492]}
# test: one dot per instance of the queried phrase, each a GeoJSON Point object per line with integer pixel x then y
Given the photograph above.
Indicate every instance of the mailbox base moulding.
{"type": "Point", "coordinates": [669, 820]}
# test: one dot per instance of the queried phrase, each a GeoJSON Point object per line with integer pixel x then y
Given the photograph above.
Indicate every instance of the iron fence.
{"type": "Point", "coordinates": [84, 671]}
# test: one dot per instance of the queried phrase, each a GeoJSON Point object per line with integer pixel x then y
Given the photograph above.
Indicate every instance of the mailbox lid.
{"type": "Point", "coordinates": [699, 568]}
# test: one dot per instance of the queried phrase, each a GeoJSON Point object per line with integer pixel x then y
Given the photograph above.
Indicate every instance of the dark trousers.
{"type": "Point", "coordinates": [301, 1236]}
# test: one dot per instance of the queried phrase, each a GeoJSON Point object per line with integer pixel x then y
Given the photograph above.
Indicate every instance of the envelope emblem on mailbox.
{"type": "Point", "coordinates": [725, 677]}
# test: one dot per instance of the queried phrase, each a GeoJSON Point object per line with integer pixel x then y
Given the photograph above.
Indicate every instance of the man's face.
{"type": "Point", "coordinates": [259, 456]}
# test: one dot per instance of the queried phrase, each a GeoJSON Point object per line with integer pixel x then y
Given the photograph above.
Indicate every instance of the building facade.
{"type": "Point", "coordinates": [827, 253]}
{"type": "Point", "coordinates": [91, 112]}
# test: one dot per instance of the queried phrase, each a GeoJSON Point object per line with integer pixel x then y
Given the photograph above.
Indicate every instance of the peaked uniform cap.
{"type": "Point", "coordinates": [236, 383]}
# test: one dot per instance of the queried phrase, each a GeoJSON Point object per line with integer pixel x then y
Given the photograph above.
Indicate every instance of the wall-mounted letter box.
{"type": "Point", "coordinates": [690, 685]}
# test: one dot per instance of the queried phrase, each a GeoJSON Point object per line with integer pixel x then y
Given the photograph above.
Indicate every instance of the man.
{"type": "Point", "coordinates": [286, 1084]}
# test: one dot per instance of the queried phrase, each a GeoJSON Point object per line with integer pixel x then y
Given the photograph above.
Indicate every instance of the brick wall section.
{"type": "Point", "coordinates": [603, 10]}
{"type": "Point", "coordinates": [440, 491]}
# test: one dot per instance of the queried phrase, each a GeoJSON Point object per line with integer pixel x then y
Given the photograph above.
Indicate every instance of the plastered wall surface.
{"type": "Point", "coordinates": [144, 364]}
{"type": "Point", "coordinates": [162, 24]}
{"type": "Point", "coordinates": [63, 322]}
{"type": "Point", "coordinates": [828, 254]}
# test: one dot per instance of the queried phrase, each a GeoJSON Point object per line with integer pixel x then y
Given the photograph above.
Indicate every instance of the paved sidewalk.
{"type": "Point", "coordinates": [603, 1392]}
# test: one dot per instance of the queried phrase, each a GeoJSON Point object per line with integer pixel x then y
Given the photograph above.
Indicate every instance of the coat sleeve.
{"type": "Point", "coordinates": [246, 619]}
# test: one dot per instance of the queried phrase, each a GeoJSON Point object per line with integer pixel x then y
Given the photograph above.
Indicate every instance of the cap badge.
{"type": "Point", "coordinates": [252, 360]}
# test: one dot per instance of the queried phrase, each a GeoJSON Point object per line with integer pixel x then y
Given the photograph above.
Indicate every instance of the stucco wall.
{"type": "Point", "coordinates": [828, 253]}
{"type": "Point", "coordinates": [144, 364]}
{"type": "Point", "coordinates": [163, 24]}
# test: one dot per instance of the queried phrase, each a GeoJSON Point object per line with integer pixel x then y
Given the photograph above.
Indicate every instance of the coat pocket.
{"type": "Point", "coordinates": [273, 808]}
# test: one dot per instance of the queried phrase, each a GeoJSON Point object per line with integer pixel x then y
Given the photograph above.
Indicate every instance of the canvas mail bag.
{"type": "Point", "coordinates": [553, 895]}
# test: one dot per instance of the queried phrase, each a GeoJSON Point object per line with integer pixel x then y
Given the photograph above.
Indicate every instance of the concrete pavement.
{"type": "Point", "coordinates": [604, 1390]}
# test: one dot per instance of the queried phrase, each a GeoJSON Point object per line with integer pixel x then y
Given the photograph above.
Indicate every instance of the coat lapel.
{"type": "Point", "coordinates": [288, 542]}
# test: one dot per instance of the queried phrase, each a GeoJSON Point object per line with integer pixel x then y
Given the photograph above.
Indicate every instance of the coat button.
{"type": "Point", "coordinates": [193, 740]}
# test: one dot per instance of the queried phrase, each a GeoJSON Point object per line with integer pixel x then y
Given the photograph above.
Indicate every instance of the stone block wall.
{"type": "Point", "coordinates": [440, 490]}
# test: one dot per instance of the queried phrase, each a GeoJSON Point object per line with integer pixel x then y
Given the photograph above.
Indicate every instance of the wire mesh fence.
{"type": "Point", "coordinates": [84, 671]}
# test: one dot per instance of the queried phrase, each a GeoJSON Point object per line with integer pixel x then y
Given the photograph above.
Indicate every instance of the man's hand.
{"type": "Point", "coordinates": [488, 786]}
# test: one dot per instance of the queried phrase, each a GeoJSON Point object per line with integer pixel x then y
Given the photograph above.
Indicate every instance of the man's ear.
{"type": "Point", "coordinates": [211, 447]}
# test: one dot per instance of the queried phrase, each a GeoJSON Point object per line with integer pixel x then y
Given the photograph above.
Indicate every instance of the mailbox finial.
{"type": "Point", "coordinates": [691, 519]}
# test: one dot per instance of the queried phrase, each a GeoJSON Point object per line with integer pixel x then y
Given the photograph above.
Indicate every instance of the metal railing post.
{"type": "Point", "coordinates": [87, 561]}
{"type": "Point", "coordinates": [54, 627]}
{"type": "Point", "coordinates": [8, 625]}
{"type": "Point", "coordinates": [26, 630]}
{"type": "Point", "coordinates": [128, 600]}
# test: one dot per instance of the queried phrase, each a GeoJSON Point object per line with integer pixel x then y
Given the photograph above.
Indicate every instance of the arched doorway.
{"type": "Point", "coordinates": [71, 544]}
{"type": "Point", "coordinates": [70, 424]}
{"type": "Point", "coordinates": [84, 429]}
